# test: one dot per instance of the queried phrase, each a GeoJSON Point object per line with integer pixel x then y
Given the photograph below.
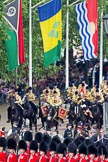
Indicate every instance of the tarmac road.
{"type": "Point", "coordinates": [3, 123]}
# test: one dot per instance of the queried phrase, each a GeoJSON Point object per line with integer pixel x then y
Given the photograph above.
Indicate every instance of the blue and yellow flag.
{"type": "Point", "coordinates": [51, 27]}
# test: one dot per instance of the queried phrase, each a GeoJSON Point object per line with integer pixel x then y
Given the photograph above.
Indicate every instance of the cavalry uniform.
{"type": "Point", "coordinates": [71, 90]}
{"type": "Point", "coordinates": [75, 97]}
{"type": "Point", "coordinates": [57, 90]}
{"type": "Point", "coordinates": [30, 96]}
{"type": "Point", "coordinates": [17, 98]}
{"type": "Point", "coordinates": [99, 97]}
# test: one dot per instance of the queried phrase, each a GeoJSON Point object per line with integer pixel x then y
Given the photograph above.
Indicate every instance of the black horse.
{"type": "Point", "coordinates": [15, 113]}
{"type": "Point", "coordinates": [30, 112]}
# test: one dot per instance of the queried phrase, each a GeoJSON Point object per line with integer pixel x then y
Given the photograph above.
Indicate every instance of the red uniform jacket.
{"type": "Point", "coordinates": [53, 159]}
{"type": "Point", "coordinates": [43, 158]}
{"type": "Point", "coordinates": [23, 157]}
{"type": "Point", "coordinates": [33, 158]}
{"type": "Point", "coordinates": [63, 159]}
{"type": "Point", "coordinates": [12, 158]}
{"type": "Point", "coordinates": [71, 159]}
{"type": "Point", "coordinates": [3, 157]}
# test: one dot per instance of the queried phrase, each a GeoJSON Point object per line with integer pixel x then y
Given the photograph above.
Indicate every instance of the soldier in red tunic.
{"type": "Point", "coordinates": [43, 150]}
{"type": "Point", "coordinates": [82, 157]}
{"type": "Point", "coordinates": [11, 144]}
{"type": "Point", "coordinates": [52, 152]}
{"type": "Point", "coordinates": [61, 151]}
{"type": "Point", "coordinates": [33, 152]}
{"type": "Point", "coordinates": [2, 149]}
{"type": "Point", "coordinates": [92, 153]}
{"type": "Point", "coordinates": [23, 156]}
{"type": "Point", "coordinates": [28, 138]}
{"type": "Point", "coordinates": [72, 150]}
{"type": "Point", "coordinates": [102, 153]}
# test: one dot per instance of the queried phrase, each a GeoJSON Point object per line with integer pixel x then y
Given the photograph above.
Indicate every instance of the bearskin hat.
{"type": "Point", "coordinates": [43, 146]}
{"type": "Point", "coordinates": [67, 140]}
{"type": "Point", "coordinates": [52, 146]}
{"type": "Point", "coordinates": [82, 149]}
{"type": "Point", "coordinates": [28, 136]}
{"type": "Point", "coordinates": [61, 148]}
{"type": "Point", "coordinates": [34, 146]}
{"type": "Point", "coordinates": [38, 137]}
{"type": "Point", "coordinates": [11, 144]}
{"type": "Point", "coordinates": [77, 141]}
{"type": "Point", "coordinates": [102, 150]}
{"type": "Point", "coordinates": [22, 145]}
{"type": "Point", "coordinates": [3, 142]}
{"type": "Point", "coordinates": [56, 139]}
{"type": "Point", "coordinates": [87, 142]}
{"type": "Point", "coordinates": [92, 149]}
{"type": "Point", "coordinates": [46, 138]}
{"type": "Point", "coordinates": [72, 148]}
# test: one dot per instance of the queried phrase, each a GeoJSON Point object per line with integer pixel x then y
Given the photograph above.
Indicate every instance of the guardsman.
{"type": "Point", "coordinates": [93, 91]}
{"type": "Point", "coordinates": [47, 89]}
{"type": "Point", "coordinates": [56, 89]}
{"type": "Point", "coordinates": [92, 153]}
{"type": "Point", "coordinates": [33, 152]}
{"type": "Point", "coordinates": [11, 145]}
{"type": "Point", "coordinates": [3, 156]}
{"type": "Point", "coordinates": [30, 95]}
{"type": "Point", "coordinates": [22, 147]}
{"type": "Point", "coordinates": [43, 151]}
{"type": "Point", "coordinates": [99, 97]}
{"type": "Point", "coordinates": [102, 153]}
{"type": "Point", "coordinates": [55, 100]}
{"type": "Point", "coordinates": [75, 97]}
{"type": "Point", "coordinates": [52, 152]}
{"type": "Point", "coordinates": [82, 156]}
{"type": "Point", "coordinates": [82, 87]}
{"type": "Point", "coordinates": [87, 94]}
{"type": "Point", "coordinates": [71, 90]}
{"type": "Point", "coordinates": [28, 138]}
{"type": "Point", "coordinates": [72, 151]}
{"type": "Point", "coordinates": [61, 151]}
{"type": "Point", "coordinates": [17, 98]}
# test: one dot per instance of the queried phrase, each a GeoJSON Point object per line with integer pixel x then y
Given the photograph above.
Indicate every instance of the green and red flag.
{"type": "Point", "coordinates": [15, 43]}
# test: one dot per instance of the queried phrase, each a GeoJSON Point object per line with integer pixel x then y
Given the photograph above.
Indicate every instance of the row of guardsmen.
{"type": "Point", "coordinates": [45, 148]}
{"type": "Point", "coordinates": [78, 94]}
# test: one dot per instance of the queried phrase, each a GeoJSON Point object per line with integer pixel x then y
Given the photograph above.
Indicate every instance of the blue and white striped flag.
{"type": "Point", "coordinates": [85, 32]}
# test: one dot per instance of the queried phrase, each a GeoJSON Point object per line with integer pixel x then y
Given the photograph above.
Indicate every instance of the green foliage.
{"type": "Point", "coordinates": [37, 45]}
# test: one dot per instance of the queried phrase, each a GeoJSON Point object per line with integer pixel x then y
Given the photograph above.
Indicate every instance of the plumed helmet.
{"type": "Point", "coordinates": [22, 145]}
{"type": "Point", "coordinates": [52, 146]}
{"type": "Point", "coordinates": [28, 136]}
{"type": "Point", "coordinates": [43, 146]}
{"type": "Point", "coordinates": [56, 139]}
{"type": "Point", "coordinates": [92, 149]}
{"type": "Point", "coordinates": [38, 137]}
{"type": "Point", "coordinates": [3, 142]}
{"type": "Point", "coordinates": [67, 140]}
{"type": "Point", "coordinates": [72, 148]}
{"type": "Point", "coordinates": [102, 150]}
{"type": "Point", "coordinates": [34, 146]}
{"type": "Point", "coordinates": [61, 148]}
{"type": "Point", "coordinates": [11, 144]}
{"type": "Point", "coordinates": [82, 149]}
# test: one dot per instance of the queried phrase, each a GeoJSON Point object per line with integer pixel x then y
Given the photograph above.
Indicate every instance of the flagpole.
{"type": "Point", "coordinates": [30, 38]}
{"type": "Point", "coordinates": [67, 46]}
{"type": "Point", "coordinates": [30, 43]}
{"type": "Point", "coordinates": [101, 51]}
{"type": "Point", "coordinates": [67, 42]}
